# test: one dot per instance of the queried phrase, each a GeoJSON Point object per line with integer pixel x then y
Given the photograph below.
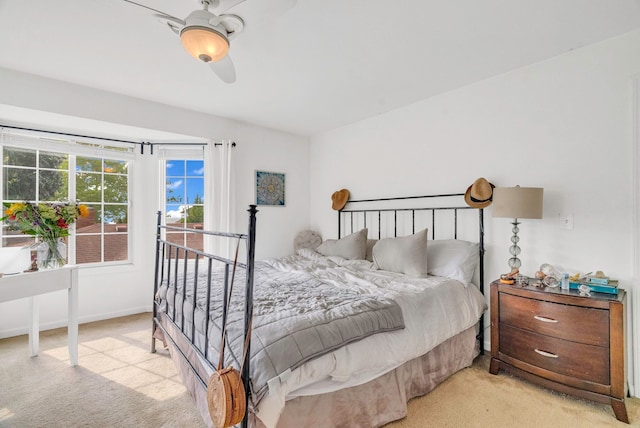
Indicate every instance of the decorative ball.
{"type": "Point", "coordinates": [307, 239]}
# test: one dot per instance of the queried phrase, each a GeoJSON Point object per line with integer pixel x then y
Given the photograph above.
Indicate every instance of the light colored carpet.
{"type": "Point", "coordinates": [119, 383]}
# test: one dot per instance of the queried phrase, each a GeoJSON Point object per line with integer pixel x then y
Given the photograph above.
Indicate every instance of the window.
{"type": "Point", "coordinates": [102, 185]}
{"type": "Point", "coordinates": [184, 200]}
{"type": "Point", "coordinates": [93, 174]}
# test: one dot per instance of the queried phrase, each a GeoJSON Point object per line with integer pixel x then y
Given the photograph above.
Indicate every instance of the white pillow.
{"type": "Point", "coordinates": [407, 254]}
{"type": "Point", "coordinates": [370, 244]}
{"type": "Point", "coordinates": [453, 258]}
{"type": "Point", "coordinates": [352, 246]}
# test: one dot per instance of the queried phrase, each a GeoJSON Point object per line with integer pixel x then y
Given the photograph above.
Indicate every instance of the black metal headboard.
{"type": "Point", "coordinates": [411, 211]}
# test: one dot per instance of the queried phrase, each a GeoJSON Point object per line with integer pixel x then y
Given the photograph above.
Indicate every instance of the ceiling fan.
{"type": "Point", "coordinates": [205, 35]}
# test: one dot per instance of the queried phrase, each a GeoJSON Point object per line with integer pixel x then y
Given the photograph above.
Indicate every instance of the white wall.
{"type": "Point", "coordinates": [563, 124]}
{"type": "Point", "coordinates": [108, 292]}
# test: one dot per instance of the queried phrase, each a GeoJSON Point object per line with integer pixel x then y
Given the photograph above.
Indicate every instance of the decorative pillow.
{"type": "Point", "coordinates": [370, 244]}
{"type": "Point", "coordinates": [453, 258]}
{"type": "Point", "coordinates": [352, 246]}
{"type": "Point", "coordinates": [407, 254]}
{"type": "Point", "coordinates": [307, 239]}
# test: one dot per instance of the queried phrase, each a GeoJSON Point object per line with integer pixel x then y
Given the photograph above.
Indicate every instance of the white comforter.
{"type": "Point", "coordinates": [434, 310]}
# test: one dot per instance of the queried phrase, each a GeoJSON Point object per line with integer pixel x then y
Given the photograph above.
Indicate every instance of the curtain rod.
{"type": "Point", "coordinates": [140, 143]}
{"type": "Point", "coordinates": [71, 135]}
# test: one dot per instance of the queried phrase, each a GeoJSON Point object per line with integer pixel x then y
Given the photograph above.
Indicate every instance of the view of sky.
{"type": "Point", "coordinates": [185, 183]}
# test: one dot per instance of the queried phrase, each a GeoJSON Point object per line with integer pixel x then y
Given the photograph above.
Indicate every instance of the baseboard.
{"type": "Point", "coordinates": [116, 314]}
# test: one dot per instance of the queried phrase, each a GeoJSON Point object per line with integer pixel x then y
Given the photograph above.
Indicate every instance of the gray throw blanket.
{"type": "Point", "coordinates": [298, 316]}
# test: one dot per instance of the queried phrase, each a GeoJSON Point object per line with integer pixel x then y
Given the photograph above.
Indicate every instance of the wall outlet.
{"type": "Point", "coordinates": [567, 222]}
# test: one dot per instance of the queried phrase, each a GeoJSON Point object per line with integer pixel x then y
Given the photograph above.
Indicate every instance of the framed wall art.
{"type": "Point", "coordinates": [270, 188]}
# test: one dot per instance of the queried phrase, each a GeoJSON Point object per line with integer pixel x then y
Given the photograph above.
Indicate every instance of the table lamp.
{"type": "Point", "coordinates": [517, 203]}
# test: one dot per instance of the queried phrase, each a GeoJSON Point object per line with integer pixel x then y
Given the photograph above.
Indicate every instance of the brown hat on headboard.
{"type": "Point", "coordinates": [339, 199]}
{"type": "Point", "coordinates": [479, 194]}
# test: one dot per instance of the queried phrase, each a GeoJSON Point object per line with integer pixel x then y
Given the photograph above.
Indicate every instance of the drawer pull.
{"type": "Point", "coordinates": [545, 353]}
{"type": "Point", "coordinates": [544, 319]}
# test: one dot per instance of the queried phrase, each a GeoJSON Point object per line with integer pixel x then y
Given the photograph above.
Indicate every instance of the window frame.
{"type": "Point", "coordinates": [85, 147]}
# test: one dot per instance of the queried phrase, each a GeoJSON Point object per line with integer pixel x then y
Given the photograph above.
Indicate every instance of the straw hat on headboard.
{"type": "Point", "coordinates": [339, 199]}
{"type": "Point", "coordinates": [479, 194]}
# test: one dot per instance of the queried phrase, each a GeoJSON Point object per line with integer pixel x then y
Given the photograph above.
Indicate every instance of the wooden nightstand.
{"type": "Point", "coordinates": [562, 341]}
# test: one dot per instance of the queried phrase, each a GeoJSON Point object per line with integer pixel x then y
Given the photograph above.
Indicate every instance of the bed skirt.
{"type": "Point", "coordinates": [372, 404]}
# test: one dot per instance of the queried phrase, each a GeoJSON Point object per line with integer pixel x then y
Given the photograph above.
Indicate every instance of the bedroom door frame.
{"type": "Point", "coordinates": [633, 348]}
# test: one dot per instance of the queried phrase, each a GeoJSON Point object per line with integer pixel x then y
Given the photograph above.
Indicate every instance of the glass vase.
{"type": "Point", "coordinates": [51, 254]}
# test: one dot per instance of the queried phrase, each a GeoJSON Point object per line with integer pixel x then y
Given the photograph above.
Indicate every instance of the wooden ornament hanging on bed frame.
{"type": "Point", "coordinates": [226, 396]}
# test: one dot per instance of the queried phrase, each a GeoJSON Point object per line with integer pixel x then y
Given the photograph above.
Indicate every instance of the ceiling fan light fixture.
{"type": "Point", "coordinates": [204, 43]}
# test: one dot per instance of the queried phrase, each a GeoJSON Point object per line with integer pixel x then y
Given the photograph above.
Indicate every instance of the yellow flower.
{"type": "Point", "coordinates": [83, 210]}
{"type": "Point", "coordinates": [13, 208]}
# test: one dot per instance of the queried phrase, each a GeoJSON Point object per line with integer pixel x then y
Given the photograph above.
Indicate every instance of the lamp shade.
{"type": "Point", "coordinates": [518, 202]}
{"type": "Point", "coordinates": [205, 44]}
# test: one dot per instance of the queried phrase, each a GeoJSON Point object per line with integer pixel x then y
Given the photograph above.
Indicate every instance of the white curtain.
{"type": "Point", "coordinates": [219, 197]}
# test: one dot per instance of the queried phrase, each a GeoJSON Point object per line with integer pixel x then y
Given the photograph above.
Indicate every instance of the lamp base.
{"type": "Point", "coordinates": [514, 250]}
{"type": "Point", "coordinates": [514, 263]}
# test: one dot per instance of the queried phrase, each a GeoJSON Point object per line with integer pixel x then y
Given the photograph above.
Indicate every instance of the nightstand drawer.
{"type": "Point", "coordinates": [586, 362]}
{"type": "Point", "coordinates": [574, 323]}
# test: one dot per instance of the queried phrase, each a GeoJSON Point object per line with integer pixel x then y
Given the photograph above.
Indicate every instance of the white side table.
{"type": "Point", "coordinates": [31, 285]}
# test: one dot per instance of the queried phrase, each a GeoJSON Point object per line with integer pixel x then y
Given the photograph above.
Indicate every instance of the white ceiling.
{"type": "Point", "coordinates": [307, 66]}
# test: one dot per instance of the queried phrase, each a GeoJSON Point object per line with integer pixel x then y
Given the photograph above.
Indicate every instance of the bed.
{"type": "Point", "coordinates": [342, 334]}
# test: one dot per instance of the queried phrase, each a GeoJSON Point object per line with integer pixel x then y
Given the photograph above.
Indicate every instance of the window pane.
{"type": "Point", "coordinates": [175, 168]}
{"type": "Point", "coordinates": [88, 248]}
{"type": "Point", "coordinates": [195, 167]}
{"type": "Point", "coordinates": [115, 188]}
{"type": "Point", "coordinates": [88, 164]}
{"type": "Point", "coordinates": [53, 186]}
{"type": "Point", "coordinates": [19, 157]}
{"type": "Point", "coordinates": [174, 213]}
{"type": "Point", "coordinates": [88, 187]}
{"type": "Point", "coordinates": [115, 247]}
{"type": "Point", "coordinates": [175, 190]}
{"type": "Point", "coordinates": [17, 239]}
{"type": "Point", "coordinates": [115, 166]}
{"type": "Point", "coordinates": [115, 214]}
{"type": "Point", "coordinates": [195, 216]}
{"type": "Point", "coordinates": [194, 240]}
{"type": "Point", "coordinates": [54, 160]}
{"type": "Point", "coordinates": [174, 238]}
{"type": "Point", "coordinates": [19, 184]}
{"type": "Point", "coordinates": [90, 223]}
{"type": "Point", "coordinates": [195, 190]}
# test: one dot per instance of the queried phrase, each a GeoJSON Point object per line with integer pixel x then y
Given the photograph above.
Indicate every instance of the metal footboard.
{"type": "Point", "coordinates": [173, 257]}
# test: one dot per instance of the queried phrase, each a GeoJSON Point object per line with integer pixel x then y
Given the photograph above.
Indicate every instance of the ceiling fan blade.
{"type": "Point", "coordinates": [257, 12]}
{"type": "Point", "coordinates": [175, 24]}
{"type": "Point", "coordinates": [225, 5]}
{"type": "Point", "coordinates": [224, 69]}
{"type": "Point", "coordinates": [150, 8]}
{"type": "Point", "coordinates": [233, 24]}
